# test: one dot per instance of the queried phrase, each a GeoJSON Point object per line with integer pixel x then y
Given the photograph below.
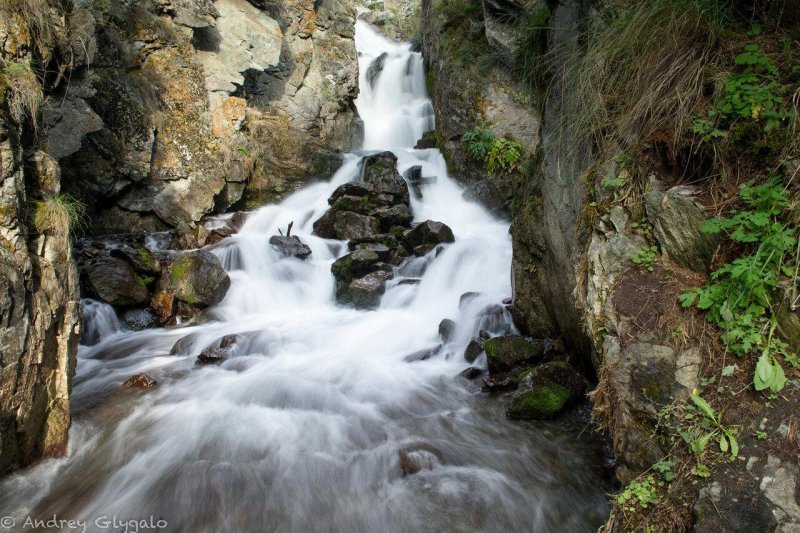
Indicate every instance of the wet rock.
{"type": "Point", "coordinates": [383, 252]}
{"type": "Point", "coordinates": [350, 225]}
{"type": "Point", "coordinates": [181, 347]}
{"type": "Point", "coordinates": [290, 246]}
{"type": "Point", "coordinates": [465, 298]}
{"type": "Point", "coordinates": [366, 292]}
{"type": "Point", "coordinates": [196, 278]}
{"type": "Point", "coordinates": [114, 281]}
{"type": "Point", "coordinates": [414, 461]}
{"type": "Point", "coordinates": [138, 319]}
{"type": "Point", "coordinates": [473, 351]}
{"type": "Point", "coordinates": [397, 215]}
{"type": "Point", "coordinates": [375, 68]}
{"type": "Point", "coordinates": [428, 233]}
{"type": "Point", "coordinates": [354, 265]}
{"type": "Point", "coordinates": [163, 305]}
{"type": "Point", "coordinates": [140, 381]}
{"type": "Point", "coordinates": [212, 356]}
{"type": "Point", "coordinates": [140, 258]}
{"type": "Point", "coordinates": [422, 355]}
{"type": "Point", "coordinates": [446, 330]}
{"type": "Point", "coordinates": [427, 141]}
{"type": "Point", "coordinates": [546, 392]}
{"type": "Point", "coordinates": [498, 385]}
{"type": "Point", "coordinates": [506, 352]}
{"type": "Point", "coordinates": [417, 180]}
{"type": "Point", "coordinates": [471, 373]}
{"type": "Point", "coordinates": [487, 194]}
{"type": "Point", "coordinates": [493, 318]}
{"type": "Point", "coordinates": [380, 171]}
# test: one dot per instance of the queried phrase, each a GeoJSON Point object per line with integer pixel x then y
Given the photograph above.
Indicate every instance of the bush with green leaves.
{"type": "Point", "coordinates": [739, 295]}
{"type": "Point", "coordinates": [753, 93]}
{"type": "Point", "coordinates": [498, 154]}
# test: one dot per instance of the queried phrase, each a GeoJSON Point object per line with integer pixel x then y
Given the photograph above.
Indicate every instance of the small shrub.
{"type": "Point", "coordinates": [478, 142]}
{"type": "Point", "coordinates": [646, 257]}
{"type": "Point", "coordinates": [738, 298]}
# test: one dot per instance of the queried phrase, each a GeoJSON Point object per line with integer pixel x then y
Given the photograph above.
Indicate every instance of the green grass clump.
{"type": "Point", "coordinates": [59, 214]}
{"type": "Point", "coordinates": [23, 92]}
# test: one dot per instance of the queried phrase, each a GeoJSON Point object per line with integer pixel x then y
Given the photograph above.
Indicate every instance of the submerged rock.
{"type": "Point", "coordinates": [546, 392]}
{"type": "Point", "coordinates": [446, 329]}
{"type": "Point", "coordinates": [290, 246]}
{"type": "Point", "coordinates": [140, 381]}
{"type": "Point", "coordinates": [473, 351]}
{"type": "Point", "coordinates": [506, 352]}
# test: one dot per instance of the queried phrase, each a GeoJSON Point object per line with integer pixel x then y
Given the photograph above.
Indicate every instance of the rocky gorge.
{"type": "Point", "coordinates": [259, 199]}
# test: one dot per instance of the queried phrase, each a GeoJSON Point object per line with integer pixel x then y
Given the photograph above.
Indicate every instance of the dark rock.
{"type": "Point", "coordinates": [354, 265]}
{"type": "Point", "coordinates": [163, 305]}
{"type": "Point", "coordinates": [428, 141]}
{"type": "Point", "coordinates": [114, 281]}
{"type": "Point", "coordinates": [409, 281]}
{"type": "Point", "coordinates": [349, 225]}
{"type": "Point", "coordinates": [140, 258]}
{"type": "Point", "coordinates": [547, 391]}
{"type": "Point", "coordinates": [446, 329]}
{"type": "Point", "coordinates": [416, 180]}
{"type": "Point", "coordinates": [471, 373]}
{"type": "Point", "coordinates": [290, 246]}
{"type": "Point", "coordinates": [140, 381]}
{"type": "Point", "coordinates": [212, 356]}
{"type": "Point", "coordinates": [506, 352]}
{"type": "Point", "coordinates": [422, 355]}
{"type": "Point", "coordinates": [138, 319]}
{"type": "Point", "coordinates": [493, 319]}
{"type": "Point", "coordinates": [380, 171]}
{"type": "Point", "coordinates": [487, 194]}
{"type": "Point", "coordinates": [323, 226]}
{"type": "Point", "coordinates": [413, 461]}
{"type": "Point", "coordinates": [498, 385]}
{"type": "Point", "coordinates": [397, 215]}
{"type": "Point", "coordinates": [386, 239]}
{"type": "Point", "coordinates": [473, 351]}
{"type": "Point", "coordinates": [196, 278]}
{"type": "Point", "coordinates": [353, 189]}
{"type": "Point", "coordinates": [383, 252]}
{"type": "Point", "coordinates": [428, 233]}
{"type": "Point", "coordinates": [375, 68]}
{"type": "Point", "coordinates": [181, 347]}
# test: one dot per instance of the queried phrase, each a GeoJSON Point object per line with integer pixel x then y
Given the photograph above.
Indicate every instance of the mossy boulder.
{"type": "Point", "coordinates": [380, 171]}
{"type": "Point", "coordinates": [506, 352]}
{"type": "Point", "coordinates": [546, 392]}
{"type": "Point", "coordinates": [114, 281]}
{"type": "Point", "coordinates": [197, 278]}
{"type": "Point", "coordinates": [427, 235]}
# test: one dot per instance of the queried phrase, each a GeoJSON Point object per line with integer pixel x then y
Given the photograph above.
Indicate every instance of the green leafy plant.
{"type": "Point", "coordinates": [707, 427]}
{"type": "Point", "coordinates": [503, 156]}
{"type": "Point", "coordinates": [738, 299]}
{"type": "Point", "coordinates": [477, 142]}
{"type": "Point", "coordinates": [639, 493]}
{"type": "Point", "coordinates": [646, 257]}
{"type": "Point", "coordinates": [498, 154]}
{"type": "Point", "coordinates": [665, 469]}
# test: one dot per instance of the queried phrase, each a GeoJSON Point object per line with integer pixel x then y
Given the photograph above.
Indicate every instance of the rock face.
{"type": "Point", "coordinates": [40, 317]}
{"type": "Point", "coordinates": [265, 89]}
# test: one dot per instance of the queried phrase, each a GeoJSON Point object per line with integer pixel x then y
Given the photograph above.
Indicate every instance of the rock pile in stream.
{"type": "Point", "coordinates": [374, 214]}
{"type": "Point", "coordinates": [173, 286]}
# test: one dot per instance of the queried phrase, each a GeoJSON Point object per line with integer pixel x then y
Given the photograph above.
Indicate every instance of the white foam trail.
{"type": "Point", "coordinates": [302, 428]}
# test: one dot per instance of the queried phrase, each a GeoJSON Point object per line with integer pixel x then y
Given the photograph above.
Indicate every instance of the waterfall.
{"type": "Point", "coordinates": [308, 425]}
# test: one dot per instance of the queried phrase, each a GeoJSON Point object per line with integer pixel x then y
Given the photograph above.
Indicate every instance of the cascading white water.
{"type": "Point", "coordinates": [302, 429]}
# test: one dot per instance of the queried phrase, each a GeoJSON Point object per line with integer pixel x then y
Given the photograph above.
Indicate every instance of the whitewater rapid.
{"type": "Point", "coordinates": [303, 427]}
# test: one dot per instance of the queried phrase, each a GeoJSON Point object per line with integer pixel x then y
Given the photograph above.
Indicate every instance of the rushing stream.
{"type": "Point", "coordinates": [302, 429]}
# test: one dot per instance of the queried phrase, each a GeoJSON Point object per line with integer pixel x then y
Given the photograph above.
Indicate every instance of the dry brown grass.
{"type": "Point", "coordinates": [641, 75]}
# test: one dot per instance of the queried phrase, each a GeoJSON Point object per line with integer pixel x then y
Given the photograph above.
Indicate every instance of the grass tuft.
{"type": "Point", "coordinates": [59, 214]}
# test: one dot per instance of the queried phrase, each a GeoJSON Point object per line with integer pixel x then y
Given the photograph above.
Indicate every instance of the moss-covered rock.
{"type": "Point", "coordinates": [506, 352]}
{"type": "Point", "coordinates": [196, 278]}
{"type": "Point", "coordinates": [546, 391]}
